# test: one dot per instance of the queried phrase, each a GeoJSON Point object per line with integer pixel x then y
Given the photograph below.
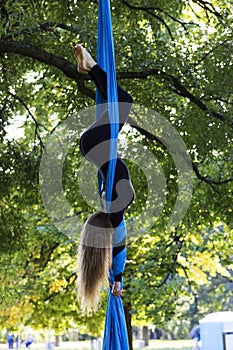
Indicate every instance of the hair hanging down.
{"type": "Point", "coordinates": [94, 260]}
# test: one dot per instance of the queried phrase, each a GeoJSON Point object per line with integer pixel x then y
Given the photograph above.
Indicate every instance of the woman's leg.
{"type": "Point", "coordinates": [95, 142]}
{"type": "Point", "coordinates": [99, 131]}
{"type": "Point", "coordinates": [87, 65]}
{"type": "Point", "coordinates": [99, 77]}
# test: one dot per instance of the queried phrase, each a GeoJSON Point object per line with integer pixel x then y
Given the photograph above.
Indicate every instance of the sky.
{"type": "Point", "coordinates": [15, 129]}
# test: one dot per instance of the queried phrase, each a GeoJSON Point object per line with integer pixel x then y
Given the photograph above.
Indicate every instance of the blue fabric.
{"type": "Point", "coordinates": [119, 233]}
{"type": "Point", "coordinates": [115, 333]}
{"type": "Point", "coordinates": [105, 60]}
{"type": "Point", "coordinates": [118, 263]}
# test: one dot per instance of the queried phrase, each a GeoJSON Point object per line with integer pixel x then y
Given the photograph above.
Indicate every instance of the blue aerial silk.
{"type": "Point", "coordinates": [106, 61]}
{"type": "Point", "coordinates": [115, 332]}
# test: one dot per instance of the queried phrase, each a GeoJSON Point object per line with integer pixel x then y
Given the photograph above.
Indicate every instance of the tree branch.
{"type": "Point", "coordinates": [207, 179]}
{"type": "Point", "coordinates": [149, 11]}
{"type": "Point", "coordinates": [28, 50]}
{"type": "Point", "coordinates": [208, 7]}
{"type": "Point", "coordinates": [37, 125]}
{"type": "Point", "coordinates": [179, 89]}
{"type": "Point", "coordinates": [70, 71]}
{"type": "Point", "coordinates": [190, 282]}
{"type": "Point", "coordinates": [46, 26]}
{"type": "Point", "coordinates": [212, 50]}
{"type": "Point", "coordinates": [183, 91]}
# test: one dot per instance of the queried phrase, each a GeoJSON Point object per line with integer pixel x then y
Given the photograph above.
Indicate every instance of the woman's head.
{"type": "Point", "coordinates": [94, 259]}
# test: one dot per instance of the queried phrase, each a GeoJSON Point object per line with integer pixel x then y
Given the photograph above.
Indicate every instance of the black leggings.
{"type": "Point", "coordinates": [94, 145]}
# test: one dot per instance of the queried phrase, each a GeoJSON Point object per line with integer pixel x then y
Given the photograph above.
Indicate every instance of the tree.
{"type": "Point", "coordinates": [174, 58]}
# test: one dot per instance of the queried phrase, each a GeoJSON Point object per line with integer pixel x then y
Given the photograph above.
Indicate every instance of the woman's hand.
{"type": "Point", "coordinates": [116, 289]}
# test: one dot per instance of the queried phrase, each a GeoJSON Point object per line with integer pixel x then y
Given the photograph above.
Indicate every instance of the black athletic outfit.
{"type": "Point", "coordinates": [94, 145]}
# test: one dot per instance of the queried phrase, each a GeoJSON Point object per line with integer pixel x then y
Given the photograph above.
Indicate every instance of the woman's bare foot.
{"type": "Point", "coordinates": [84, 59]}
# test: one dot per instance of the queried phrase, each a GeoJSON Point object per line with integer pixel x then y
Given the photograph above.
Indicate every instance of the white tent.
{"type": "Point", "coordinates": [217, 331]}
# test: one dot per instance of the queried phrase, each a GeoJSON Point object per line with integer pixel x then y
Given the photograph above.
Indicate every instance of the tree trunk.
{"type": "Point", "coordinates": [145, 334]}
{"type": "Point", "coordinates": [57, 340]}
{"type": "Point", "coordinates": [129, 326]}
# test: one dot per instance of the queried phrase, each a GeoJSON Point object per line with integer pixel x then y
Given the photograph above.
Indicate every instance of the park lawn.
{"type": "Point", "coordinates": [85, 345]}
{"type": "Point", "coordinates": [153, 345]}
{"type": "Point", "coordinates": [169, 345]}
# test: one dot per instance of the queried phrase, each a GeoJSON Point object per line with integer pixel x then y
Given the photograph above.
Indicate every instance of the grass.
{"type": "Point", "coordinates": [169, 345]}
{"type": "Point", "coordinates": [85, 345]}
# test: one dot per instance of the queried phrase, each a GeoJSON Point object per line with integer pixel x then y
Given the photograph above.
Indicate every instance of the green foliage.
{"type": "Point", "coordinates": [173, 57]}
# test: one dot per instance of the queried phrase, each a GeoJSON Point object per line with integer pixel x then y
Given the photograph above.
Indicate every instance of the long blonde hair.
{"type": "Point", "coordinates": [94, 260]}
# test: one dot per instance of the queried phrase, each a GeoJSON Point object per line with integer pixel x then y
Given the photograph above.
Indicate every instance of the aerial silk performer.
{"type": "Point", "coordinates": [102, 250]}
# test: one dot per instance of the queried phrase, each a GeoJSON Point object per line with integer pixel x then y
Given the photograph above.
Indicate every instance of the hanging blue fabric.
{"type": "Point", "coordinates": [106, 61]}
{"type": "Point", "coordinates": [115, 332]}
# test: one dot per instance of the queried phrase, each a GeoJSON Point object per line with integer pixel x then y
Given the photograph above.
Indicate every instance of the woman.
{"type": "Point", "coordinates": [95, 250]}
